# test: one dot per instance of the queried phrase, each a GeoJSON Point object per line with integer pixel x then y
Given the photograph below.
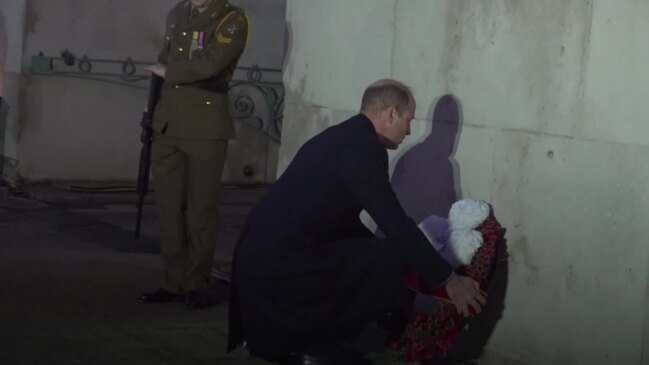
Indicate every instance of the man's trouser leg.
{"type": "Point", "coordinates": [205, 160]}
{"type": "Point", "coordinates": [169, 165]}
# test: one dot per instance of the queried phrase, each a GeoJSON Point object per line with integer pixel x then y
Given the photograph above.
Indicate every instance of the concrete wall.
{"type": "Point", "coordinates": [552, 133]}
{"type": "Point", "coordinates": [3, 104]}
{"type": "Point", "coordinates": [3, 50]}
{"type": "Point", "coordinates": [74, 129]}
{"type": "Point", "coordinates": [12, 15]}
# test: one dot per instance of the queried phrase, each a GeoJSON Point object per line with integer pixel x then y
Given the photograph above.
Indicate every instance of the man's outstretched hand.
{"type": "Point", "coordinates": [465, 293]}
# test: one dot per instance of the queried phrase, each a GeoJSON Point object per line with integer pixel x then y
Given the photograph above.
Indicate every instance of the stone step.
{"type": "Point", "coordinates": [108, 218]}
{"type": "Point", "coordinates": [95, 195]}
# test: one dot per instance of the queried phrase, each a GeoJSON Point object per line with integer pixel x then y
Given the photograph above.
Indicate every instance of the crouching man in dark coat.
{"type": "Point", "coordinates": [307, 272]}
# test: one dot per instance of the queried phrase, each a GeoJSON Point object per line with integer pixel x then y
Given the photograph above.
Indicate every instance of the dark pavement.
{"type": "Point", "coordinates": [71, 273]}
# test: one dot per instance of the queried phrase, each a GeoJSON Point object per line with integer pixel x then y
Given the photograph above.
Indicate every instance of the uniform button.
{"type": "Point", "coordinates": [168, 38]}
{"type": "Point", "coordinates": [208, 102]}
{"type": "Point", "coordinates": [184, 33]}
{"type": "Point", "coordinates": [180, 49]}
{"type": "Point", "coordinates": [176, 86]}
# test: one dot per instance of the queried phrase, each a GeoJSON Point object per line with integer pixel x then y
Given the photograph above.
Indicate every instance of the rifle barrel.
{"type": "Point", "coordinates": [146, 137]}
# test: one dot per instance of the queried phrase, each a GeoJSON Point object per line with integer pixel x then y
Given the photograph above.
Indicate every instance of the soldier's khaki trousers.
{"type": "Point", "coordinates": [187, 180]}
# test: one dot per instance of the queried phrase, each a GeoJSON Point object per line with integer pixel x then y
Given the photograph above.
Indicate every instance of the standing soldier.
{"type": "Point", "coordinates": [192, 124]}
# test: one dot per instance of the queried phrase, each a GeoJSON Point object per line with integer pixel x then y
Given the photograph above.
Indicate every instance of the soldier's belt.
{"type": "Point", "coordinates": [213, 85]}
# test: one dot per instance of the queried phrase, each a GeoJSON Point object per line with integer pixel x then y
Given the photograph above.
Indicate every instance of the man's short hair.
{"type": "Point", "coordinates": [386, 93]}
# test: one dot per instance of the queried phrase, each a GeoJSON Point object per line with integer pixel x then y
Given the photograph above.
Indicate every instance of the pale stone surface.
{"type": "Point", "coordinates": [552, 134]}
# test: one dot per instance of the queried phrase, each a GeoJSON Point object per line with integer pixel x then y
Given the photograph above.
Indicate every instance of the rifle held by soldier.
{"type": "Point", "coordinates": [146, 137]}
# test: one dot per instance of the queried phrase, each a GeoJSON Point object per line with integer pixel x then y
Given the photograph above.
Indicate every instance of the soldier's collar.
{"type": "Point", "coordinates": [216, 7]}
{"type": "Point", "coordinates": [204, 7]}
{"type": "Point", "coordinates": [212, 11]}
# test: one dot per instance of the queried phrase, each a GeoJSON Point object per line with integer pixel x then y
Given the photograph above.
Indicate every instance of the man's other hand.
{"type": "Point", "coordinates": [465, 292]}
{"type": "Point", "coordinates": [158, 69]}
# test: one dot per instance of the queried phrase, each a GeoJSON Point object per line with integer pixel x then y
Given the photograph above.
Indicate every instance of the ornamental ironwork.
{"type": "Point", "coordinates": [256, 93]}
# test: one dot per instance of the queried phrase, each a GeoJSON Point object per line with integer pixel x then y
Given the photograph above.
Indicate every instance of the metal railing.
{"type": "Point", "coordinates": [256, 93]}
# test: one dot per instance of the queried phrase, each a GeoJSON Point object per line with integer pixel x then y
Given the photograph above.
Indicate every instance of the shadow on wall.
{"type": "Point", "coordinates": [288, 44]}
{"type": "Point", "coordinates": [426, 178]}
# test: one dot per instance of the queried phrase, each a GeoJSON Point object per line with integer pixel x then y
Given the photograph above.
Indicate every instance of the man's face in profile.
{"type": "Point", "coordinates": [398, 127]}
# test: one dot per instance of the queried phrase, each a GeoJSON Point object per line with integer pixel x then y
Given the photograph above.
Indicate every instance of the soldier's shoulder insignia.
{"type": "Point", "coordinates": [230, 26]}
{"type": "Point", "coordinates": [223, 39]}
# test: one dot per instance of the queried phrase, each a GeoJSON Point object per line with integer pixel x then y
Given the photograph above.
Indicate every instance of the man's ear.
{"type": "Point", "coordinates": [392, 114]}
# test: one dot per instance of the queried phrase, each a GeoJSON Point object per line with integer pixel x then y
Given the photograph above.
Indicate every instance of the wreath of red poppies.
{"type": "Point", "coordinates": [429, 335]}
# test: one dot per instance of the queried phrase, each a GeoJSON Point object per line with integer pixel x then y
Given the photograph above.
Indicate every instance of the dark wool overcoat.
{"type": "Point", "coordinates": [306, 270]}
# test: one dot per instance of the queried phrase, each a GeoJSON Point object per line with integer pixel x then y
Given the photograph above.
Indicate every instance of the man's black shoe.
{"type": "Point", "coordinates": [326, 355]}
{"type": "Point", "coordinates": [197, 299]}
{"type": "Point", "coordinates": [160, 296]}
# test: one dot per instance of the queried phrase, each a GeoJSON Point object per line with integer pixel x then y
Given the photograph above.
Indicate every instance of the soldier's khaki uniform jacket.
{"type": "Point", "coordinates": [201, 54]}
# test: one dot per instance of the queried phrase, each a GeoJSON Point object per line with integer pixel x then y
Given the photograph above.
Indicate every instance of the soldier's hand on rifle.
{"type": "Point", "coordinates": [158, 69]}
